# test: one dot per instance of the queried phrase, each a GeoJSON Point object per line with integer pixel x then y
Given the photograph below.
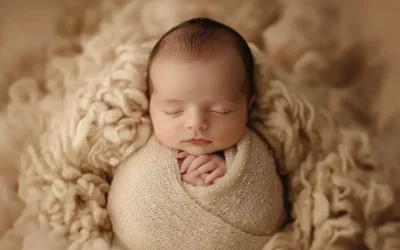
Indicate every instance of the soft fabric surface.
{"type": "Point", "coordinates": [151, 208]}
{"type": "Point", "coordinates": [72, 103]}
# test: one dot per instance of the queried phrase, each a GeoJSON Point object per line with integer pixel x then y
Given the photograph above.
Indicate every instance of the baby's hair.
{"type": "Point", "coordinates": [200, 39]}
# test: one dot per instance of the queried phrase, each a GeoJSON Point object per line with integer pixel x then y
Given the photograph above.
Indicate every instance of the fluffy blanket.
{"type": "Point", "coordinates": [150, 207]}
{"type": "Point", "coordinates": [73, 108]}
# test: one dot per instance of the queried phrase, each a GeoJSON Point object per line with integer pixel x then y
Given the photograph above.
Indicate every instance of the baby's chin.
{"type": "Point", "coordinates": [195, 149]}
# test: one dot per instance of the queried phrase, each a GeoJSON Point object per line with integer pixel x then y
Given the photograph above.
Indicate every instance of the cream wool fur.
{"type": "Point", "coordinates": [75, 98]}
{"type": "Point", "coordinates": [151, 208]}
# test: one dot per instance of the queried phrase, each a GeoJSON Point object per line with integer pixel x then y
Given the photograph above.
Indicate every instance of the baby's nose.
{"type": "Point", "coordinates": [197, 122]}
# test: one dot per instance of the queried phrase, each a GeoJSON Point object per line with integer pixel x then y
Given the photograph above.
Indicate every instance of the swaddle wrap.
{"type": "Point", "coordinates": [151, 208]}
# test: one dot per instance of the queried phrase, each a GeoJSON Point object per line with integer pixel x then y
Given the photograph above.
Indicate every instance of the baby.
{"type": "Point", "coordinates": [200, 77]}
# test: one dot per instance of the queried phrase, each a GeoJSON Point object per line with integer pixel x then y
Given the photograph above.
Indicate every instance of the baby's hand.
{"type": "Point", "coordinates": [201, 170]}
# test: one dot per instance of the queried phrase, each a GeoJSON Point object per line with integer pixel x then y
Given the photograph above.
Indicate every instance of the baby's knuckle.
{"type": "Point", "coordinates": [214, 158]}
{"type": "Point", "coordinates": [203, 156]}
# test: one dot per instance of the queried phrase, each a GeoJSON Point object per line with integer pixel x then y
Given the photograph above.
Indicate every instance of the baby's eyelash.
{"type": "Point", "coordinates": [222, 113]}
{"type": "Point", "coordinates": [172, 113]}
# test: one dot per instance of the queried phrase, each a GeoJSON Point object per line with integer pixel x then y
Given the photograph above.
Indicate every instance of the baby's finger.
{"type": "Point", "coordinates": [204, 176]}
{"type": "Point", "coordinates": [187, 162]}
{"type": "Point", "coordinates": [189, 179]}
{"type": "Point", "coordinates": [200, 182]}
{"type": "Point", "coordinates": [215, 180]}
{"type": "Point", "coordinates": [206, 168]}
{"type": "Point", "coordinates": [199, 161]}
{"type": "Point", "coordinates": [218, 173]}
{"type": "Point", "coordinates": [182, 155]}
{"type": "Point", "coordinates": [220, 162]}
{"type": "Point", "coordinates": [193, 180]}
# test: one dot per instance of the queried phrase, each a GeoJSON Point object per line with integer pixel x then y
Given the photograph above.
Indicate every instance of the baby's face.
{"type": "Point", "coordinates": [199, 107]}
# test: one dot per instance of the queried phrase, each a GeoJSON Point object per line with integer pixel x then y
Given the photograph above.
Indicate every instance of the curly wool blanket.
{"type": "Point", "coordinates": [74, 109]}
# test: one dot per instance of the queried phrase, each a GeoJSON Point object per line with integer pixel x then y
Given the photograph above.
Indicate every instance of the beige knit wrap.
{"type": "Point", "coordinates": [150, 208]}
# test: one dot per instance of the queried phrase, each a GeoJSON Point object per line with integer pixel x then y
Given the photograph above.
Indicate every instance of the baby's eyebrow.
{"type": "Point", "coordinates": [169, 101]}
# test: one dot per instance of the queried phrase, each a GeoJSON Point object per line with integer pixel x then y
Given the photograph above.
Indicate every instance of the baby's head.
{"type": "Point", "coordinates": [200, 76]}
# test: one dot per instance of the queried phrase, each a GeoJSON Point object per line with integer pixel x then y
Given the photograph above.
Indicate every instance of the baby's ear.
{"type": "Point", "coordinates": [146, 119]}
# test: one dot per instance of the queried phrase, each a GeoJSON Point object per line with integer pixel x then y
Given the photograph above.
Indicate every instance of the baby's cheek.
{"type": "Point", "coordinates": [166, 133]}
{"type": "Point", "coordinates": [232, 131]}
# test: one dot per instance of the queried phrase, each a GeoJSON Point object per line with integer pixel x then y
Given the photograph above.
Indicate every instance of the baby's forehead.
{"type": "Point", "coordinates": [203, 40]}
{"type": "Point", "coordinates": [222, 72]}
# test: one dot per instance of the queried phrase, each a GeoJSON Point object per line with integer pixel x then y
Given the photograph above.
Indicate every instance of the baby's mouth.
{"type": "Point", "coordinates": [199, 142]}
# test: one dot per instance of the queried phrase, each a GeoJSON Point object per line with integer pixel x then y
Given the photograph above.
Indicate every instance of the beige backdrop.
{"type": "Point", "coordinates": [27, 24]}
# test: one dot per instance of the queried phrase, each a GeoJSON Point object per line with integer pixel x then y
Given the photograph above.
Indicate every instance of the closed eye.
{"type": "Point", "coordinates": [220, 112]}
{"type": "Point", "coordinates": [173, 113]}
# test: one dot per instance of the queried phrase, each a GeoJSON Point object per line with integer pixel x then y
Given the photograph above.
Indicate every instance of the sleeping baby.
{"type": "Point", "coordinates": [203, 180]}
{"type": "Point", "coordinates": [200, 77]}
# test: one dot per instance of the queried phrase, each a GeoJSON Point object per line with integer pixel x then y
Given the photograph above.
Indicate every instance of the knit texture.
{"type": "Point", "coordinates": [151, 208]}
